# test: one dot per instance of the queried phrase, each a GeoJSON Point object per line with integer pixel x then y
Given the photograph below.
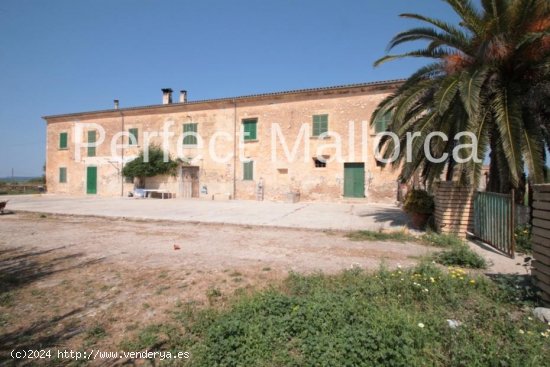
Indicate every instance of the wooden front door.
{"type": "Point", "coordinates": [354, 180]}
{"type": "Point", "coordinates": [91, 180]}
{"type": "Point", "coordinates": [190, 180]}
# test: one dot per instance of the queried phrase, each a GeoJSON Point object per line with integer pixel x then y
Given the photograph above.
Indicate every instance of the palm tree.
{"type": "Point", "coordinates": [490, 76]}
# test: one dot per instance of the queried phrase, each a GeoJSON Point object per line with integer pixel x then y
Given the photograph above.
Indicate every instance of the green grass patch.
{"type": "Point", "coordinates": [440, 240]}
{"type": "Point", "coordinates": [380, 236]}
{"type": "Point", "coordinates": [390, 318]}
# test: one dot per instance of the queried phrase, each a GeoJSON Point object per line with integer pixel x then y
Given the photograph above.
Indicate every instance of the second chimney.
{"type": "Point", "coordinates": [183, 96]}
{"type": "Point", "coordinates": [166, 96]}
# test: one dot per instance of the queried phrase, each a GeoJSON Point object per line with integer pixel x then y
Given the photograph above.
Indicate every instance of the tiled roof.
{"type": "Point", "coordinates": [230, 99]}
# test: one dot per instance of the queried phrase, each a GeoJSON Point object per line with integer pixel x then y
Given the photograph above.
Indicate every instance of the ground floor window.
{"type": "Point", "coordinates": [62, 175]}
{"type": "Point", "coordinates": [248, 171]}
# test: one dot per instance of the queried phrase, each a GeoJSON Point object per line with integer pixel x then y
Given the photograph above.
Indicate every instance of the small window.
{"type": "Point", "coordinates": [133, 138]}
{"type": "Point", "coordinates": [62, 175]}
{"type": "Point", "coordinates": [381, 123]}
{"type": "Point", "coordinates": [250, 129]}
{"type": "Point", "coordinates": [282, 171]}
{"type": "Point", "coordinates": [63, 141]}
{"type": "Point", "coordinates": [319, 163]}
{"type": "Point", "coordinates": [320, 124]}
{"type": "Point", "coordinates": [91, 139]}
{"type": "Point", "coordinates": [190, 139]}
{"type": "Point", "coordinates": [248, 171]}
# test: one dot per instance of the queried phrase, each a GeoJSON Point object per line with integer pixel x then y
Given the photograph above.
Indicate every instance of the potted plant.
{"type": "Point", "coordinates": [420, 206]}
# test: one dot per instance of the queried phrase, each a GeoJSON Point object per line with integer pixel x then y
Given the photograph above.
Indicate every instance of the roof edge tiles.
{"type": "Point", "coordinates": [231, 99]}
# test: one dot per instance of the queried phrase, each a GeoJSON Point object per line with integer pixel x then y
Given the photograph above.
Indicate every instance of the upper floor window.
{"type": "Point", "coordinates": [91, 139]}
{"type": "Point", "coordinates": [63, 140]}
{"type": "Point", "coordinates": [133, 138]}
{"type": "Point", "coordinates": [381, 123]}
{"type": "Point", "coordinates": [250, 129]}
{"type": "Point", "coordinates": [320, 125]}
{"type": "Point", "coordinates": [190, 139]}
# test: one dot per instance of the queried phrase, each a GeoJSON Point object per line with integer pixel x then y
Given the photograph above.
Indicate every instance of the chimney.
{"type": "Point", "coordinates": [183, 96]}
{"type": "Point", "coordinates": [166, 96]}
{"type": "Point", "coordinates": [116, 104]}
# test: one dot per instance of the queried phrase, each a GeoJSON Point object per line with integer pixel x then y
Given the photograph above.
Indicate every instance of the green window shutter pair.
{"type": "Point", "coordinates": [190, 139]}
{"type": "Point", "coordinates": [320, 124]}
{"type": "Point", "coordinates": [63, 141]}
{"type": "Point", "coordinates": [91, 139]}
{"type": "Point", "coordinates": [381, 123]}
{"type": "Point", "coordinates": [62, 174]}
{"type": "Point", "coordinates": [134, 133]}
{"type": "Point", "coordinates": [248, 171]}
{"type": "Point", "coordinates": [250, 129]}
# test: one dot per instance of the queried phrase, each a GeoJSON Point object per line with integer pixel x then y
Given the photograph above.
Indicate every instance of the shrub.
{"type": "Point", "coordinates": [153, 167]}
{"type": "Point", "coordinates": [462, 256]}
{"type": "Point", "coordinates": [419, 201]}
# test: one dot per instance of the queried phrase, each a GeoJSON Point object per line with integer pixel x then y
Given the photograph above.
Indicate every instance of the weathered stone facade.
{"type": "Point", "coordinates": [219, 124]}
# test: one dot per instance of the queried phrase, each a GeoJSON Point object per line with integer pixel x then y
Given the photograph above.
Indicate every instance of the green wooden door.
{"type": "Point", "coordinates": [354, 180]}
{"type": "Point", "coordinates": [91, 180]}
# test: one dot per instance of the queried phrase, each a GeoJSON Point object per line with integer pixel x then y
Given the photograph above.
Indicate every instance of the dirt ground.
{"type": "Point", "coordinates": [63, 278]}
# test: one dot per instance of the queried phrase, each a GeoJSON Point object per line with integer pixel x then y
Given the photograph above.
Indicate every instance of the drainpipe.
{"type": "Point", "coordinates": [234, 149]}
{"type": "Point", "coordinates": [122, 151]}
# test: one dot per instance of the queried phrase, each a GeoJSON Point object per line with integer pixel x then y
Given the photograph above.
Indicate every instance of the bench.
{"type": "Point", "coordinates": [163, 193]}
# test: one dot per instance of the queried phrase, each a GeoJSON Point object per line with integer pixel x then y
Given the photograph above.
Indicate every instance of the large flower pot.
{"type": "Point", "coordinates": [419, 220]}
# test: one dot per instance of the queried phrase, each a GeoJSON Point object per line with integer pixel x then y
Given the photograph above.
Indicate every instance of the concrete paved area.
{"type": "Point", "coordinates": [323, 216]}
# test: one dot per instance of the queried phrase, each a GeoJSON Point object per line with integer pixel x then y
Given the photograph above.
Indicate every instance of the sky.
{"type": "Point", "coordinates": [63, 56]}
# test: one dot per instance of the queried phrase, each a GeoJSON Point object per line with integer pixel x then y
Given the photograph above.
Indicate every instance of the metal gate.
{"type": "Point", "coordinates": [494, 221]}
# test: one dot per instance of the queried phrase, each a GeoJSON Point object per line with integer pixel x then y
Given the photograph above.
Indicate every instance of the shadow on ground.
{"type": "Point", "coordinates": [391, 216]}
{"type": "Point", "coordinates": [20, 268]}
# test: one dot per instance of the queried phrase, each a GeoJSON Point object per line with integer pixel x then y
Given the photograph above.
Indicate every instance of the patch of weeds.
{"type": "Point", "coordinates": [105, 287]}
{"type": "Point", "coordinates": [163, 275]}
{"type": "Point", "coordinates": [6, 299]}
{"type": "Point", "coordinates": [43, 216]}
{"type": "Point", "coordinates": [94, 334]}
{"type": "Point", "coordinates": [462, 256]}
{"type": "Point", "coordinates": [441, 240]}
{"type": "Point", "coordinates": [146, 306]}
{"type": "Point", "coordinates": [38, 292]}
{"type": "Point", "coordinates": [235, 274]}
{"type": "Point", "coordinates": [161, 289]}
{"type": "Point", "coordinates": [380, 236]}
{"type": "Point", "coordinates": [154, 336]}
{"type": "Point", "coordinates": [522, 236]}
{"type": "Point", "coordinates": [238, 279]}
{"type": "Point", "coordinates": [392, 318]}
{"type": "Point", "coordinates": [212, 294]}
{"type": "Point", "coordinates": [517, 288]}
{"type": "Point", "coordinates": [267, 268]}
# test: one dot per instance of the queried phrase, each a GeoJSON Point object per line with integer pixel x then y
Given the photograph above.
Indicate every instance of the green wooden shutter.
{"type": "Point", "coordinates": [248, 171]}
{"type": "Point", "coordinates": [62, 174]}
{"type": "Point", "coordinates": [91, 180]}
{"type": "Point", "coordinates": [190, 139]}
{"type": "Point", "coordinates": [91, 139]}
{"type": "Point", "coordinates": [63, 141]}
{"type": "Point", "coordinates": [381, 123]}
{"type": "Point", "coordinates": [134, 133]}
{"type": "Point", "coordinates": [320, 124]}
{"type": "Point", "coordinates": [250, 129]}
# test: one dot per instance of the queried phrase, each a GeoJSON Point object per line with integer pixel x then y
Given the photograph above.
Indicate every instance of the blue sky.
{"type": "Point", "coordinates": [62, 56]}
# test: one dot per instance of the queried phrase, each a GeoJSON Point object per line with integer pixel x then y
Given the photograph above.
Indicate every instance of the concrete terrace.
{"type": "Point", "coordinates": [322, 216]}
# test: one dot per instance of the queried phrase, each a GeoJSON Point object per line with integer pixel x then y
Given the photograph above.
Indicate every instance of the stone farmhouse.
{"type": "Point", "coordinates": [315, 144]}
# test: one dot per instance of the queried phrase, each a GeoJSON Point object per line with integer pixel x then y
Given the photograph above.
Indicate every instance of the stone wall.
{"type": "Point", "coordinates": [349, 110]}
{"type": "Point", "coordinates": [541, 240]}
{"type": "Point", "coordinates": [453, 208]}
